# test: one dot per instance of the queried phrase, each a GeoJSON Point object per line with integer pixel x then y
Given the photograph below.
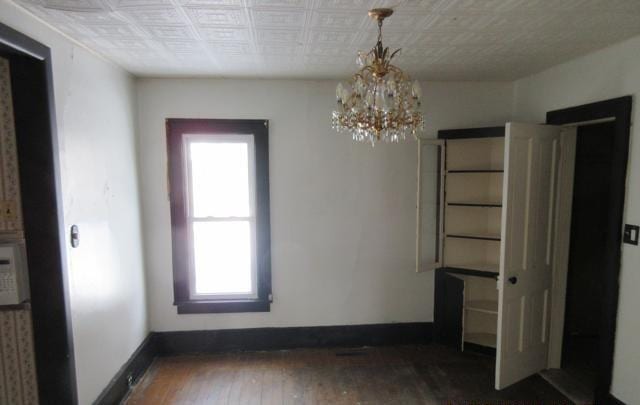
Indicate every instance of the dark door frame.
{"type": "Point", "coordinates": [39, 170]}
{"type": "Point", "coordinates": [620, 110]}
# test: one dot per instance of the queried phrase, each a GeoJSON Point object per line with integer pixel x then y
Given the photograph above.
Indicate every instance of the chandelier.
{"type": "Point", "coordinates": [379, 103]}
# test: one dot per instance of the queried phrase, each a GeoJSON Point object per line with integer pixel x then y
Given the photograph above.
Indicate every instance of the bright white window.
{"type": "Point", "coordinates": [220, 179]}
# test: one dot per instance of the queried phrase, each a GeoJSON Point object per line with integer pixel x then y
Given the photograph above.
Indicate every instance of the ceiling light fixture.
{"type": "Point", "coordinates": [379, 103]}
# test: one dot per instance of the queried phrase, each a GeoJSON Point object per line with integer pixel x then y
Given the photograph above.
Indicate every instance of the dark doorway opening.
{"type": "Point", "coordinates": [587, 258]}
{"type": "Point", "coordinates": [38, 166]}
{"type": "Point", "coordinates": [617, 114]}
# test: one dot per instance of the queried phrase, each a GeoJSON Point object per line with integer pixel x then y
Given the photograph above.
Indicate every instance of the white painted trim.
{"type": "Point", "coordinates": [590, 122]}
{"type": "Point", "coordinates": [441, 144]}
{"type": "Point", "coordinates": [560, 259]}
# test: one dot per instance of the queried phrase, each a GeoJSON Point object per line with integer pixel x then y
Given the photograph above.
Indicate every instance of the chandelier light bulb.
{"type": "Point", "coordinates": [339, 90]}
{"type": "Point", "coordinates": [361, 60]}
{"type": "Point", "coordinates": [391, 87]}
{"type": "Point", "coordinates": [369, 100]}
{"type": "Point", "coordinates": [416, 90]}
{"type": "Point", "coordinates": [380, 103]}
{"type": "Point", "coordinates": [360, 87]}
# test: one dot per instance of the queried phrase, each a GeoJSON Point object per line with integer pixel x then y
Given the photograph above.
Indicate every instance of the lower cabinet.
{"type": "Point", "coordinates": [466, 310]}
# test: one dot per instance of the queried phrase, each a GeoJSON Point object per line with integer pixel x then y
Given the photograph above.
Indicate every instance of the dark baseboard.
{"type": "Point", "coordinates": [228, 340]}
{"type": "Point", "coordinates": [611, 400]}
{"type": "Point", "coordinates": [135, 367]}
{"type": "Point", "coordinates": [215, 341]}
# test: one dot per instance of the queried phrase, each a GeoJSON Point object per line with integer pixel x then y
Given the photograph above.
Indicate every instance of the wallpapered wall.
{"type": "Point", "coordinates": [17, 365]}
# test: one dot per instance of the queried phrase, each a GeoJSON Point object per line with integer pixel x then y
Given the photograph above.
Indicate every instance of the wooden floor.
{"type": "Point", "coordinates": [429, 374]}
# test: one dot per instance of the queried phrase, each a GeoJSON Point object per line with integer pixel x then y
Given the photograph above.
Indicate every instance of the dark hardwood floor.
{"type": "Point", "coordinates": [430, 374]}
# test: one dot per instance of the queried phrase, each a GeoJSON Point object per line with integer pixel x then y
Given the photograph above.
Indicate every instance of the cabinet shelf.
{"type": "Point", "coordinates": [482, 339]}
{"type": "Point", "coordinates": [480, 269]}
{"type": "Point", "coordinates": [470, 171]}
{"type": "Point", "coordinates": [495, 238]}
{"type": "Point", "coordinates": [474, 204]}
{"type": "Point", "coordinates": [484, 306]}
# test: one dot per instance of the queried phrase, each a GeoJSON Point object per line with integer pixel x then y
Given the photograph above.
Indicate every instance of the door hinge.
{"type": "Point", "coordinates": [270, 297]}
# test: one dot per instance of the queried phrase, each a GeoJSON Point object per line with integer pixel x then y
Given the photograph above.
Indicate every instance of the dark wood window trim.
{"type": "Point", "coordinates": [176, 128]}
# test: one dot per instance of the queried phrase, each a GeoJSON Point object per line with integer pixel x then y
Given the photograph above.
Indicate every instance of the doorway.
{"type": "Point", "coordinates": [587, 259]}
{"type": "Point", "coordinates": [39, 177]}
{"type": "Point", "coordinates": [588, 249]}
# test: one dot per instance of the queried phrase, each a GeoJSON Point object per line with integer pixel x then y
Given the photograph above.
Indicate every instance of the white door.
{"type": "Point", "coordinates": [530, 175]}
{"type": "Point", "coordinates": [430, 204]}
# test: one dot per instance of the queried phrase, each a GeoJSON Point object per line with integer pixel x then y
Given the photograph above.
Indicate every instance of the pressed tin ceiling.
{"type": "Point", "coordinates": [441, 39]}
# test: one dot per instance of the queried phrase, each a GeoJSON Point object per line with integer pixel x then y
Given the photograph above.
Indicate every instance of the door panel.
{"type": "Point", "coordinates": [565, 180]}
{"type": "Point", "coordinates": [447, 317]}
{"type": "Point", "coordinates": [430, 204]}
{"type": "Point", "coordinates": [531, 156]}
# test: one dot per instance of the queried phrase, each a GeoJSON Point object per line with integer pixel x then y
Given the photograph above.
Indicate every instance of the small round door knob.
{"type": "Point", "coordinates": [513, 280]}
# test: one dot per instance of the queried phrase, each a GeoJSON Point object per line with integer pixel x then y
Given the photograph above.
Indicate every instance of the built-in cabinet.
{"type": "Point", "coordinates": [485, 225]}
{"type": "Point", "coordinates": [470, 191]}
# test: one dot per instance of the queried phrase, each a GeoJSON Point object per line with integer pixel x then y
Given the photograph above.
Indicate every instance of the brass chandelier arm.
{"type": "Point", "coordinates": [395, 69]}
{"type": "Point", "coordinates": [367, 68]}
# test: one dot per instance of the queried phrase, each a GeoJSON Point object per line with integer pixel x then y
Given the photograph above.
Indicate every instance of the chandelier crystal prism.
{"type": "Point", "coordinates": [379, 103]}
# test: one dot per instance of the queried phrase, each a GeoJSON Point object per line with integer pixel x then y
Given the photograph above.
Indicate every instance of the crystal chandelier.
{"type": "Point", "coordinates": [379, 103]}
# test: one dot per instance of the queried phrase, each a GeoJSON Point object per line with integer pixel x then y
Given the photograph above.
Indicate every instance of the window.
{"type": "Point", "coordinates": [219, 197]}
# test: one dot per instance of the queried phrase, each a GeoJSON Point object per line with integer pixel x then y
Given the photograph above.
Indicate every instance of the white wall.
{"type": "Point", "coordinates": [342, 214]}
{"type": "Point", "coordinates": [608, 73]}
{"type": "Point", "coordinates": [95, 114]}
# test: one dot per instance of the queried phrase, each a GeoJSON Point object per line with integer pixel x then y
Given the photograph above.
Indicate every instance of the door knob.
{"type": "Point", "coordinates": [513, 280]}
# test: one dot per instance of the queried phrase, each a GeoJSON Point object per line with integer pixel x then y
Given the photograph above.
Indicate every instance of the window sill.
{"type": "Point", "coordinates": [219, 307]}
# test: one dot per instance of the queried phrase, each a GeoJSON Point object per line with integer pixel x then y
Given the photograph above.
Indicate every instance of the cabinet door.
{"type": "Point", "coordinates": [430, 204]}
{"type": "Point", "coordinates": [531, 161]}
{"type": "Point", "coordinates": [447, 316]}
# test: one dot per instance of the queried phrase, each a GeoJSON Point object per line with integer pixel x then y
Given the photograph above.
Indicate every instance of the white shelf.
{"type": "Point", "coordinates": [482, 339]}
{"type": "Point", "coordinates": [476, 236]}
{"type": "Point", "coordinates": [484, 306]}
{"type": "Point", "coordinates": [476, 171]}
{"type": "Point", "coordinates": [488, 267]}
{"type": "Point", "coordinates": [475, 204]}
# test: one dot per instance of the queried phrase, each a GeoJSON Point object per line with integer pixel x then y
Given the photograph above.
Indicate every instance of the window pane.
{"type": "Point", "coordinates": [222, 257]}
{"type": "Point", "coordinates": [220, 179]}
